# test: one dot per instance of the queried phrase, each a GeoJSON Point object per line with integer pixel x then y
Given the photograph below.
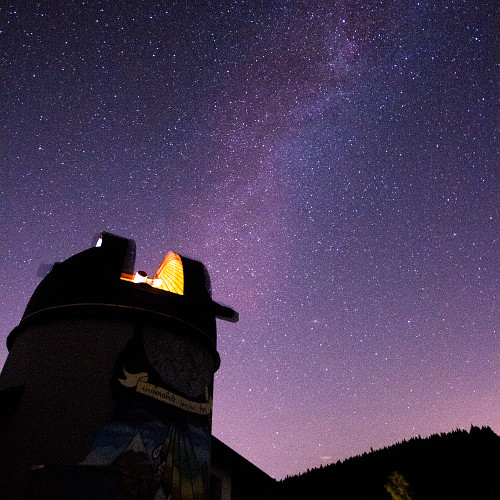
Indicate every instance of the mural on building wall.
{"type": "Point", "coordinates": [157, 444]}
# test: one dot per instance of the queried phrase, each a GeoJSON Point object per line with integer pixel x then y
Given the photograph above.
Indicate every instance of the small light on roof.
{"type": "Point", "coordinates": [99, 242]}
{"type": "Point", "coordinates": [141, 277]}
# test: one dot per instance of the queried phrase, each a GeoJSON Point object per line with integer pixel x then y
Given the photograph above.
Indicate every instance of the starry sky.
{"type": "Point", "coordinates": [332, 163]}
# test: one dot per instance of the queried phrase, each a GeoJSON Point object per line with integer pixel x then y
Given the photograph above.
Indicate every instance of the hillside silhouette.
{"type": "Point", "coordinates": [455, 465]}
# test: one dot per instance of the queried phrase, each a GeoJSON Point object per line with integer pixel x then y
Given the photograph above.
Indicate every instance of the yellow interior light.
{"type": "Point", "coordinates": [170, 275]}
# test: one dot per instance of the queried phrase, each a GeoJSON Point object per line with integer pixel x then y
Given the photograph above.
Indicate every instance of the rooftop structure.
{"type": "Point", "coordinates": [107, 389]}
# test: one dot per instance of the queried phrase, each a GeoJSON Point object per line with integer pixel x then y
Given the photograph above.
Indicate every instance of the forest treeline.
{"type": "Point", "coordinates": [454, 465]}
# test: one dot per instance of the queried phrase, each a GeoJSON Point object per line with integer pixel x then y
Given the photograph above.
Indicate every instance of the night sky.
{"type": "Point", "coordinates": [332, 163]}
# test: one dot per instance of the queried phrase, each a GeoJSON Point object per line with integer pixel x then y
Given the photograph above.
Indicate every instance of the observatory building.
{"type": "Point", "coordinates": [107, 389]}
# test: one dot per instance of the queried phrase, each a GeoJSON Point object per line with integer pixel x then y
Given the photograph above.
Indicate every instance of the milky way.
{"type": "Point", "coordinates": [333, 165]}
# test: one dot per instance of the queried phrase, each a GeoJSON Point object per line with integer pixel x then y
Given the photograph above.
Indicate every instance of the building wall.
{"type": "Point", "coordinates": [244, 480]}
{"type": "Point", "coordinates": [220, 483]}
{"type": "Point", "coordinates": [65, 367]}
{"type": "Point", "coordinates": [76, 409]}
